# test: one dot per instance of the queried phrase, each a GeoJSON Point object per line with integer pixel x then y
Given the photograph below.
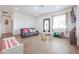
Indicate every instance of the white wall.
{"type": "Point", "coordinates": [22, 21]}
{"type": "Point", "coordinates": [40, 20]}
{"type": "Point", "coordinates": [77, 25]}
{"type": "Point", "coordinates": [0, 30]}
{"type": "Point", "coordinates": [0, 26]}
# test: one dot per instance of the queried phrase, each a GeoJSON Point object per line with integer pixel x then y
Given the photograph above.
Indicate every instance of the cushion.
{"type": "Point", "coordinates": [56, 34]}
{"type": "Point", "coordinates": [30, 30]}
{"type": "Point", "coordinates": [25, 30]}
{"type": "Point", "coordinates": [34, 30]}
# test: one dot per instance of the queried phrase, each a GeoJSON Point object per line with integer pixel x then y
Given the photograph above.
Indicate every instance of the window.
{"type": "Point", "coordinates": [59, 22]}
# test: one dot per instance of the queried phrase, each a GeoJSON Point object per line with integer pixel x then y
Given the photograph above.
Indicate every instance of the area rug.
{"type": "Point", "coordinates": [8, 43]}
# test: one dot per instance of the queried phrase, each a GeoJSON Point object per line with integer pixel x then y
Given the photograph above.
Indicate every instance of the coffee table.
{"type": "Point", "coordinates": [44, 37]}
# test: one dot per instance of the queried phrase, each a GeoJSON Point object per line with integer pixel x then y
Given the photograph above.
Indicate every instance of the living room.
{"type": "Point", "coordinates": [52, 27]}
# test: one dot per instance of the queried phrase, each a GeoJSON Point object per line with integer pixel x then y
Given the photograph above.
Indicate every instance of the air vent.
{"type": "Point", "coordinates": [5, 12]}
{"type": "Point", "coordinates": [42, 6]}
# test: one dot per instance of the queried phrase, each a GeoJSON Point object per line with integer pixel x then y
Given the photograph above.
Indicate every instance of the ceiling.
{"type": "Point", "coordinates": [32, 10]}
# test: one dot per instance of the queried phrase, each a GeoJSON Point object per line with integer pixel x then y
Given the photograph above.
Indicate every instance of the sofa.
{"type": "Point", "coordinates": [28, 32]}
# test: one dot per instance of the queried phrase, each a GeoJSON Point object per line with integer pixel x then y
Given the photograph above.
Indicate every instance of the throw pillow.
{"type": "Point", "coordinates": [25, 30]}
{"type": "Point", "coordinates": [34, 30]}
{"type": "Point", "coordinates": [30, 30]}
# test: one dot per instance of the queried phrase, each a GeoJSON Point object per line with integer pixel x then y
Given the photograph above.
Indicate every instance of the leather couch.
{"type": "Point", "coordinates": [28, 32]}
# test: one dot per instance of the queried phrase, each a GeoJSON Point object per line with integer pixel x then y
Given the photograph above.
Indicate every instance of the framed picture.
{"type": "Point", "coordinates": [73, 16]}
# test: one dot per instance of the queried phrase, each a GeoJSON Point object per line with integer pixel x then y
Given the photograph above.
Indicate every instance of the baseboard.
{"type": "Point", "coordinates": [77, 45]}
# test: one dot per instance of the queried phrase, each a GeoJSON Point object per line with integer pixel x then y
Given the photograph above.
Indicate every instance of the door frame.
{"type": "Point", "coordinates": [44, 22]}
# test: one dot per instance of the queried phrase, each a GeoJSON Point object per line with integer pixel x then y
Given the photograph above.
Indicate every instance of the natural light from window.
{"type": "Point", "coordinates": [59, 22]}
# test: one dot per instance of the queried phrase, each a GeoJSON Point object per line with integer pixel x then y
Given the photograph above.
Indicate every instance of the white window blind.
{"type": "Point", "coordinates": [59, 22]}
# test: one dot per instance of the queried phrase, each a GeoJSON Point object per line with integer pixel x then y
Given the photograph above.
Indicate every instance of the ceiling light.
{"type": "Point", "coordinates": [36, 7]}
{"type": "Point", "coordinates": [16, 8]}
{"type": "Point", "coordinates": [6, 14]}
{"type": "Point", "coordinates": [35, 14]}
{"type": "Point", "coordinates": [57, 7]}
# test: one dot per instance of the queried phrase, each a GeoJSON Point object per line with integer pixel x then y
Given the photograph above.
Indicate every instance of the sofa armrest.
{"type": "Point", "coordinates": [37, 31]}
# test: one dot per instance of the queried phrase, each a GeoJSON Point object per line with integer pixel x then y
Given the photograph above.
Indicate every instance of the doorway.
{"type": "Point", "coordinates": [46, 25]}
{"type": "Point", "coordinates": [7, 26]}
